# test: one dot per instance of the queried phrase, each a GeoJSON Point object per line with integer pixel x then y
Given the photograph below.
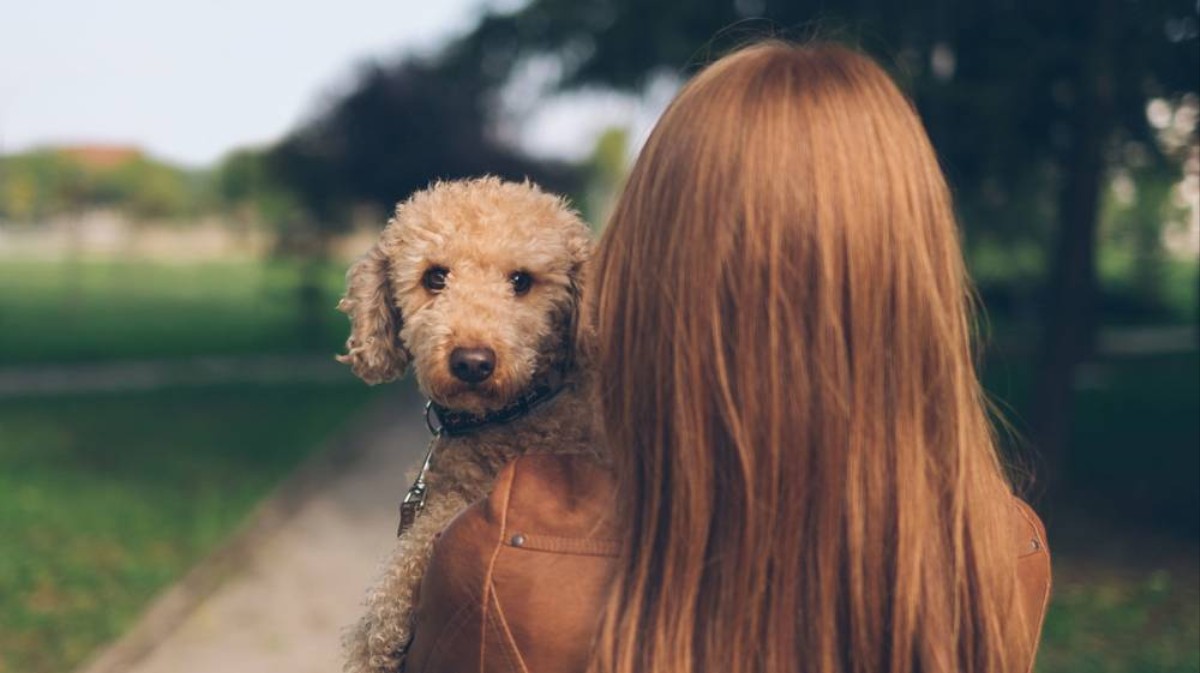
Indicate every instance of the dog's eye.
{"type": "Point", "coordinates": [434, 279]}
{"type": "Point", "coordinates": [521, 282]}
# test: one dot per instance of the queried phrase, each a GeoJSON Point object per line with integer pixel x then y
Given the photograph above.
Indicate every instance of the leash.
{"type": "Point", "coordinates": [452, 423]}
{"type": "Point", "coordinates": [414, 499]}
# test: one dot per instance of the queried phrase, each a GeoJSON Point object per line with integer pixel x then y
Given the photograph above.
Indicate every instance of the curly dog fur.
{"type": "Point", "coordinates": [481, 232]}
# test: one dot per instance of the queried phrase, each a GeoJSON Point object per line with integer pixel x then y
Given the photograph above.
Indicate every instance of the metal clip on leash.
{"type": "Point", "coordinates": [414, 499]}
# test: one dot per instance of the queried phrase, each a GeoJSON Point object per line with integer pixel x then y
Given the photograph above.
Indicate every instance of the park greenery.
{"type": "Point", "coordinates": [1036, 112]}
{"type": "Point", "coordinates": [1068, 132]}
{"type": "Point", "coordinates": [112, 496]}
{"type": "Point", "coordinates": [104, 524]}
{"type": "Point", "coordinates": [42, 183]}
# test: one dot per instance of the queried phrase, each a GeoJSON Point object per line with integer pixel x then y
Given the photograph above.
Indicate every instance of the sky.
{"type": "Point", "coordinates": [190, 80]}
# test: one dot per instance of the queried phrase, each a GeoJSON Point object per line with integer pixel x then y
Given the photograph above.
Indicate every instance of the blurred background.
{"type": "Point", "coordinates": [182, 186]}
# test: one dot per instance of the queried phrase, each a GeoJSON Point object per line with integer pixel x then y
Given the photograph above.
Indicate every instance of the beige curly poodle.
{"type": "Point", "coordinates": [476, 284]}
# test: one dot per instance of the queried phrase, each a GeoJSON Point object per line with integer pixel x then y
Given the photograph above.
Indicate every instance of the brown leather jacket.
{"type": "Point", "coordinates": [517, 581]}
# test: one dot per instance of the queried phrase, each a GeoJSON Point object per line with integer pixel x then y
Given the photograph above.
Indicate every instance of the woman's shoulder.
{"type": "Point", "coordinates": [521, 574]}
{"type": "Point", "coordinates": [1029, 529]}
{"type": "Point", "coordinates": [550, 495]}
{"type": "Point", "coordinates": [1033, 566]}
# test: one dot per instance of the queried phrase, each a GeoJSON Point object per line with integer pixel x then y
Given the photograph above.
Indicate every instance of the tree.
{"type": "Point", "coordinates": [46, 182]}
{"type": "Point", "coordinates": [399, 127]}
{"type": "Point", "coordinates": [42, 183]}
{"type": "Point", "coordinates": [1024, 102]}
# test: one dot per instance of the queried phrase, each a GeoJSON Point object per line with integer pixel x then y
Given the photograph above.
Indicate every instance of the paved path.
{"type": "Point", "coordinates": [299, 577]}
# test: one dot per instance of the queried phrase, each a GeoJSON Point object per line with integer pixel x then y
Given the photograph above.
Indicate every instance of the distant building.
{"type": "Point", "coordinates": [101, 156]}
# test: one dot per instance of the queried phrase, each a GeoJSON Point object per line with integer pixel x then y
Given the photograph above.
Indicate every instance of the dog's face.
{"type": "Point", "coordinates": [476, 284]}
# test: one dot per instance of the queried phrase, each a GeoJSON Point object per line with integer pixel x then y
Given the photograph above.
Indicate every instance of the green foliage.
{"type": "Point", "coordinates": [401, 126]}
{"type": "Point", "coordinates": [1132, 451]}
{"type": "Point", "coordinates": [38, 184]}
{"type": "Point", "coordinates": [605, 169]}
{"type": "Point", "coordinates": [147, 189]}
{"type": "Point", "coordinates": [1027, 104]}
{"type": "Point", "coordinates": [1002, 87]}
{"type": "Point", "coordinates": [43, 183]}
{"type": "Point", "coordinates": [249, 190]}
{"type": "Point", "coordinates": [107, 499]}
{"type": "Point", "coordinates": [1105, 622]}
{"type": "Point", "coordinates": [1137, 210]}
{"type": "Point", "coordinates": [1136, 437]}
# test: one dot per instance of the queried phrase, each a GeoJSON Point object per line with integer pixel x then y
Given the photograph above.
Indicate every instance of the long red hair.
{"type": "Point", "coordinates": [809, 478]}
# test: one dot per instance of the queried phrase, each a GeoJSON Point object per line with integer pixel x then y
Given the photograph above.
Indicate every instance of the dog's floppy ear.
{"type": "Point", "coordinates": [580, 329]}
{"type": "Point", "coordinates": [374, 350]}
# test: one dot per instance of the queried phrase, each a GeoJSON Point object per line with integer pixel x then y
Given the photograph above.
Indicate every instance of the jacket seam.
{"type": "Point", "coordinates": [491, 568]}
{"type": "Point", "coordinates": [1041, 619]}
{"type": "Point", "coordinates": [452, 628]}
{"type": "Point", "coordinates": [556, 544]}
{"type": "Point", "coordinates": [1037, 640]}
{"type": "Point", "coordinates": [511, 653]}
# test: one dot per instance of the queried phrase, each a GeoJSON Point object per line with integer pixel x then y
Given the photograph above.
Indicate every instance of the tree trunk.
{"type": "Point", "coordinates": [1070, 296]}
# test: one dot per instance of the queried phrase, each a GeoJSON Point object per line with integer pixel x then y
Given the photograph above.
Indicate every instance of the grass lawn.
{"type": "Point", "coordinates": [1124, 533]}
{"type": "Point", "coordinates": [106, 499]}
{"type": "Point", "coordinates": [94, 310]}
{"type": "Point", "coordinates": [1108, 617]}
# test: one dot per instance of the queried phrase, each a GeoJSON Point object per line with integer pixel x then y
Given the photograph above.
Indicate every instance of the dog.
{"type": "Point", "coordinates": [476, 285]}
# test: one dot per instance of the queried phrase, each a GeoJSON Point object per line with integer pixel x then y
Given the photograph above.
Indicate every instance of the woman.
{"type": "Point", "coordinates": [805, 475]}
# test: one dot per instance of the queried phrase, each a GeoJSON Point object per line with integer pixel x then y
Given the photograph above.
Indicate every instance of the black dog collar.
{"type": "Point", "coordinates": [454, 423]}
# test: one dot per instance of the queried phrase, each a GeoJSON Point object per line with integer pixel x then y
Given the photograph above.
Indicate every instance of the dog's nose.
{"type": "Point", "coordinates": [472, 364]}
